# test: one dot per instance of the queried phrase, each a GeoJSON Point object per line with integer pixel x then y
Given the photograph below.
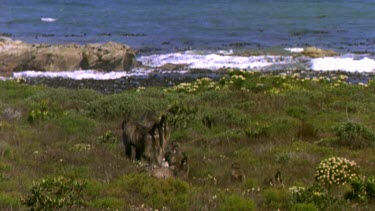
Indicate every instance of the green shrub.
{"type": "Point", "coordinates": [76, 125]}
{"type": "Point", "coordinates": [258, 130]}
{"type": "Point", "coordinates": [5, 149]}
{"type": "Point", "coordinates": [232, 117]}
{"type": "Point", "coordinates": [181, 114]}
{"type": "Point", "coordinates": [155, 193]}
{"type": "Point", "coordinates": [55, 193]}
{"type": "Point", "coordinates": [135, 103]}
{"type": "Point", "coordinates": [236, 202]}
{"type": "Point", "coordinates": [306, 130]}
{"type": "Point", "coordinates": [361, 190]}
{"type": "Point", "coordinates": [8, 201]}
{"type": "Point", "coordinates": [354, 135]}
{"type": "Point", "coordinates": [43, 110]}
{"type": "Point", "coordinates": [109, 203]}
{"type": "Point", "coordinates": [276, 198]}
{"type": "Point", "coordinates": [250, 184]}
{"type": "Point", "coordinates": [370, 188]}
{"type": "Point", "coordinates": [4, 177]}
{"type": "Point", "coordinates": [315, 194]}
{"type": "Point", "coordinates": [69, 99]}
{"type": "Point", "coordinates": [108, 138]}
{"type": "Point", "coordinates": [297, 112]}
{"type": "Point", "coordinates": [304, 207]}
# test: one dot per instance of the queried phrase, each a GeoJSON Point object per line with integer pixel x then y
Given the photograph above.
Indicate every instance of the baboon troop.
{"type": "Point", "coordinates": [276, 181]}
{"type": "Point", "coordinates": [145, 139]}
{"type": "Point", "coordinates": [236, 173]}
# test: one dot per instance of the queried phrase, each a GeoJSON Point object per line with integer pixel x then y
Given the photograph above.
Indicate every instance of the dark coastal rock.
{"type": "Point", "coordinates": [20, 56]}
{"type": "Point", "coordinates": [315, 52]}
{"type": "Point", "coordinates": [171, 67]}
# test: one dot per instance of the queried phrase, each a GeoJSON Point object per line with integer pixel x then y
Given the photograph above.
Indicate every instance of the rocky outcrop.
{"type": "Point", "coordinates": [20, 56]}
{"type": "Point", "coordinates": [315, 52]}
{"type": "Point", "coordinates": [110, 56]}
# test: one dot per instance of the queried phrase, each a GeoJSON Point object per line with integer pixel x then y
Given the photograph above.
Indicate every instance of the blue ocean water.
{"type": "Point", "coordinates": [172, 25]}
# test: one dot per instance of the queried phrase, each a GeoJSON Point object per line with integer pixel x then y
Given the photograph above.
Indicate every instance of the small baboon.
{"type": "Point", "coordinates": [278, 179]}
{"type": "Point", "coordinates": [236, 173]}
{"type": "Point", "coordinates": [177, 160]}
{"type": "Point", "coordinates": [145, 140]}
{"type": "Point", "coordinates": [182, 170]}
{"type": "Point", "coordinates": [207, 121]}
{"type": "Point", "coordinates": [162, 173]}
{"type": "Point", "coordinates": [268, 182]}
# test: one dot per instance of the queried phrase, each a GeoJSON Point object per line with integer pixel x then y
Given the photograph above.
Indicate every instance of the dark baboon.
{"type": "Point", "coordinates": [145, 140]}
{"type": "Point", "coordinates": [275, 181]}
{"type": "Point", "coordinates": [278, 179]}
{"type": "Point", "coordinates": [207, 121]}
{"type": "Point", "coordinates": [236, 173]}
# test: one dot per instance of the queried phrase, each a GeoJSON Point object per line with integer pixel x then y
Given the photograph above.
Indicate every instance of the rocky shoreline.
{"type": "Point", "coordinates": [121, 84]}
{"type": "Point", "coordinates": [18, 56]}
{"type": "Point", "coordinates": [163, 79]}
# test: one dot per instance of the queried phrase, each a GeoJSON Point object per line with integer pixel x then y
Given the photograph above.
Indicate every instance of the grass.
{"type": "Point", "coordinates": [264, 123]}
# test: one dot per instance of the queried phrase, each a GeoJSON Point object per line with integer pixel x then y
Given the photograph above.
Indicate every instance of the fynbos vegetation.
{"type": "Point", "coordinates": [247, 141]}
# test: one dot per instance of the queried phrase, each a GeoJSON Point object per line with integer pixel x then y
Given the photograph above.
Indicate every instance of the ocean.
{"type": "Point", "coordinates": [207, 33]}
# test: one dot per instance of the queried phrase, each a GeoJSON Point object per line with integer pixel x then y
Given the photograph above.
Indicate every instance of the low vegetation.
{"type": "Point", "coordinates": [293, 143]}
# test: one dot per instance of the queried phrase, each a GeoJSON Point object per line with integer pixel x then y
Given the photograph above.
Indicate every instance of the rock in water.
{"type": "Point", "coordinates": [110, 57]}
{"type": "Point", "coordinates": [21, 56]}
{"type": "Point", "coordinates": [315, 52]}
{"type": "Point", "coordinates": [53, 58]}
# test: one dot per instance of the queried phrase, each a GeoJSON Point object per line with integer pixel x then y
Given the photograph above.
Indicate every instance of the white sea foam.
{"type": "Point", "coordinates": [46, 19]}
{"type": "Point", "coordinates": [3, 78]}
{"type": "Point", "coordinates": [294, 50]}
{"type": "Point", "coordinates": [214, 61]}
{"type": "Point", "coordinates": [344, 64]}
{"type": "Point", "coordinates": [81, 74]}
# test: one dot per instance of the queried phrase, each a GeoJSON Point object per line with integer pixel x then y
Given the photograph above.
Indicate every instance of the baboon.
{"type": "Point", "coordinates": [268, 182]}
{"type": "Point", "coordinates": [145, 140]}
{"type": "Point", "coordinates": [276, 181]}
{"type": "Point", "coordinates": [207, 121]}
{"type": "Point", "coordinates": [177, 160]}
{"type": "Point", "coordinates": [162, 173]}
{"type": "Point", "coordinates": [182, 170]}
{"type": "Point", "coordinates": [236, 173]}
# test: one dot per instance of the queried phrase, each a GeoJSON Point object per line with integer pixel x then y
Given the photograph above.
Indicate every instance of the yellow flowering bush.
{"type": "Point", "coordinates": [336, 171]}
{"type": "Point", "coordinates": [195, 86]}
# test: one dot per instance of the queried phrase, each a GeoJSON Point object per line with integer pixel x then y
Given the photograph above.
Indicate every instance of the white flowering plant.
{"type": "Point", "coordinates": [336, 171]}
{"type": "Point", "coordinates": [315, 194]}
